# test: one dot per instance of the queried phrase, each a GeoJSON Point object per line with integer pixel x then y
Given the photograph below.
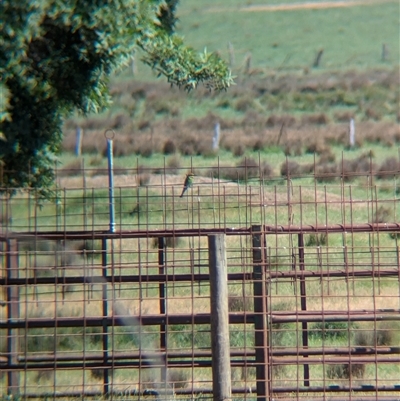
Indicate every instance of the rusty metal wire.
{"type": "Point", "coordinates": [313, 279]}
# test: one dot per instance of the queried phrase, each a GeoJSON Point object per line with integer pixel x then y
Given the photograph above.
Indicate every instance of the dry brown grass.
{"type": "Point", "coordinates": [389, 168]}
{"type": "Point", "coordinates": [194, 137]}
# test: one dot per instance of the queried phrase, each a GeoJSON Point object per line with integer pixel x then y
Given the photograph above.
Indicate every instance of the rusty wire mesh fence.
{"type": "Point", "coordinates": [313, 286]}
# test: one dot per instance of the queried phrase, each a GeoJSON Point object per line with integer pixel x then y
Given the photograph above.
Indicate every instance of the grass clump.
{"type": "Point", "coordinates": [330, 330]}
{"type": "Point", "coordinates": [389, 168]}
{"type": "Point", "coordinates": [239, 303]}
{"type": "Point", "coordinates": [386, 334]}
{"type": "Point", "coordinates": [290, 168]}
{"type": "Point", "coordinates": [317, 239]}
{"type": "Point", "coordinates": [345, 371]}
{"type": "Point", "coordinates": [178, 378]}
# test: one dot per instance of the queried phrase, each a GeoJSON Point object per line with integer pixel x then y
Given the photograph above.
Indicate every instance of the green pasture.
{"type": "Point", "coordinates": [351, 37]}
{"type": "Point", "coordinates": [281, 44]}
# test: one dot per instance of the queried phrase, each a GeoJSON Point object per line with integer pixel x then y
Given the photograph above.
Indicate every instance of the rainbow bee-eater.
{"type": "Point", "coordinates": [188, 183]}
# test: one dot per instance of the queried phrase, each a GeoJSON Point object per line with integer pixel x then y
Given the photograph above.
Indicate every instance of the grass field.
{"type": "Point", "coordinates": [278, 88]}
{"type": "Point", "coordinates": [289, 39]}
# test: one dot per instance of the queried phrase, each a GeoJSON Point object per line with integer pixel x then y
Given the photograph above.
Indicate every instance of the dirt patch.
{"type": "Point", "coordinates": [301, 6]}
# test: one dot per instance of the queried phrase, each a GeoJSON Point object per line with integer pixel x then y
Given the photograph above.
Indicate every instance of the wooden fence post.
{"type": "Point", "coordinates": [231, 52]}
{"type": "Point", "coordinates": [220, 347]}
{"type": "Point", "coordinates": [260, 309]}
{"type": "Point", "coordinates": [12, 315]}
{"type": "Point", "coordinates": [352, 133]}
{"type": "Point", "coordinates": [216, 136]}
{"type": "Point", "coordinates": [318, 57]}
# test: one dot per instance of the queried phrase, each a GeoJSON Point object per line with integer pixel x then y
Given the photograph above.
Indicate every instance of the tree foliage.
{"type": "Point", "coordinates": [56, 56]}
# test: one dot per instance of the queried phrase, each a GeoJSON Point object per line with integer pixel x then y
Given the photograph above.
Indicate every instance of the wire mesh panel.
{"type": "Point", "coordinates": [313, 287]}
{"type": "Point", "coordinates": [333, 313]}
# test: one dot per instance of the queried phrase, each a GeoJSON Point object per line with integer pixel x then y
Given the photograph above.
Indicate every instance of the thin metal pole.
{"type": "Point", "coordinates": [260, 308]}
{"type": "Point", "coordinates": [12, 314]}
{"type": "Point", "coordinates": [303, 302]}
{"type": "Point", "coordinates": [110, 178]}
{"type": "Point", "coordinates": [105, 315]}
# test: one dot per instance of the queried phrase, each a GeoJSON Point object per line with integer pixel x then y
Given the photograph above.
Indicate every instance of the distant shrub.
{"type": "Point", "coordinates": [95, 160]}
{"type": "Point", "coordinates": [189, 146]}
{"type": "Point", "coordinates": [224, 103]}
{"type": "Point", "coordinates": [253, 119]}
{"type": "Point", "coordinates": [97, 374]}
{"type": "Point", "coordinates": [349, 169]}
{"type": "Point", "coordinates": [317, 239]}
{"type": "Point", "coordinates": [326, 157]}
{"type": "Point", "coordinates": [248, 168]}
{"type": "Point", "coordinates": [94, 142]}
{"type": "Point", "coordinates": [71, 169]}
{"type": "Point", "coordinates": [390, 168]}
{"type": "Point", "coordinates": [364, 163]}
{"type": "Point", "coordinates": [276, 120]}
{"type": "Point", "coordinates": [143, 179]}
{"type": "Point", "coordinates": [169, 147]}
{"type": "Point", "coordinates": [373, 114]}
{"type": "Point", "coordinates": [316, 146]}
{"type": "Point", "coordinates": [382, 215]}
{"type": "Point", "coordinates": [170, 242]}
{"type": "Point", "coordinates": [239, 150]}
{"type": "Point", "coordinates": [179, 378]}
{"type": "Point", "coordinates": [244, 103]}
{"type": "Point", "coordinates": [316, 119]}
{"type": "Point", "coordinates": [89, 248]}
{"type": "Point", "coordinates": [345, 371]}
{"type": "Point", "coordinates": [332, 330]}
{"type": "Point", "coordinates": [120, 121]}
{"type": "Point", "coordinates": [173, 164]}
{"type": "Point", "coordinates": [205, 149]}
{"type": "Point", "coordinates": [343, 116]}
{"type": "Point", "coordinates": [143, 125]}
{"type": "Point", "coordinates": [306, 168]}
{"type": "Point", "coordinates": [238, 303]}
{"type": "Point", "coordinates": [121, 148]}
{"type": "Point", "coordinates": [224, 172]}
{"type": "Point", "coordinates": [386, 334]}
{"type": "Point", "coordinates": [293, 148]}
{"type": "Point", "coordinates": [326, 172]}
{"type": "Point", "coordinates": [146, 150]}
{"type": "Point", "coordinates": [266, 170]}
{"type": "Point", "coordinates": [290, 168]}
{"type": "Point", "coordinates": [259, 145]}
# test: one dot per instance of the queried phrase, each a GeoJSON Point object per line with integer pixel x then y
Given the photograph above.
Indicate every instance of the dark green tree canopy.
{"type": "Point", "coordinates": [56, 57]}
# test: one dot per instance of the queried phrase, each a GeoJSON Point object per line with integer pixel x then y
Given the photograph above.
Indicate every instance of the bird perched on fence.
{"type": "Point", "coordinates": [188, 183]}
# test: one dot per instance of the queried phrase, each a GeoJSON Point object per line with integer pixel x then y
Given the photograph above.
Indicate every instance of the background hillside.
{"type": "Point", "coordinates": [284, 95]}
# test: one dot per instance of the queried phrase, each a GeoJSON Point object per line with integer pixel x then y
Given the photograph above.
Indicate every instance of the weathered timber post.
{"type": "Point", "coordinates": [352, 133]}
{"type": "Point", "coordinates": [12, 315]}
{"type": "Point", "coordinates": [221, 367]}
{"type": "Point", "coordinates": [260, 309]}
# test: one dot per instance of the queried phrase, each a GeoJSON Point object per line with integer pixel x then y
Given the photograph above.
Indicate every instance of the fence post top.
{"type": "Point", "coordinates": [109, 134]}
